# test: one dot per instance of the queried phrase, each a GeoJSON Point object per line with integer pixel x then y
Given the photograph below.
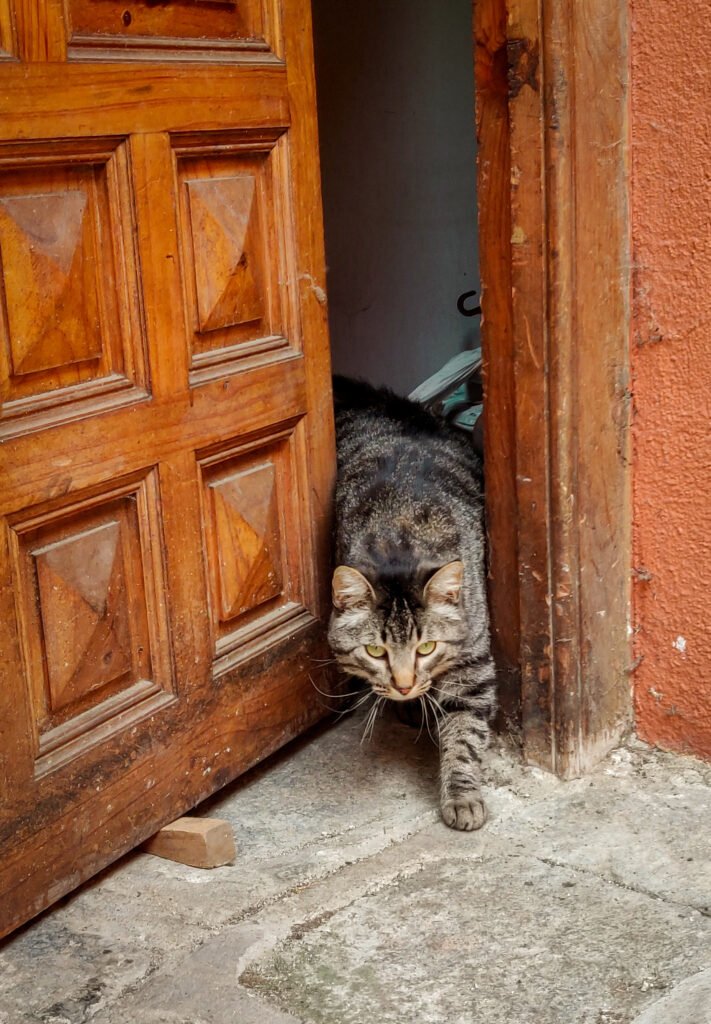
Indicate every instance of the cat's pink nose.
{"type": "Point", "coordinates": [403, 678]}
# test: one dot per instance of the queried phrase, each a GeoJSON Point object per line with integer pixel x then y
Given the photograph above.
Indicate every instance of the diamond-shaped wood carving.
{"type": "Point", "coordinates": [48, 264]}
{"type": "Point", "coordinates": [70, 321]}
{"type": "Point", "coordinates": [248, 540]}
{"type": "Point", "coordinates": [84, 609]}
{"type": "Point", "coordinates": [226, 237]}
{"type": "Point", "coordinates": [89, 585]}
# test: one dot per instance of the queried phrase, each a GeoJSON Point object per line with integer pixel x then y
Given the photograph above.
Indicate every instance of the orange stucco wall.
{"type": "Point", "coordinates": [671, 363]}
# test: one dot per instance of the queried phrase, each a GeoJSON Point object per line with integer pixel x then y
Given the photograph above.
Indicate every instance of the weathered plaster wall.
{"type": "Point", "coordinates": [671, 210]}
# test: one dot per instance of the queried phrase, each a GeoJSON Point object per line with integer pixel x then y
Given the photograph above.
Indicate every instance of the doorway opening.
{"type": "Point", "coordinates": [398, 151]}
{"type": "Point", "coordinates": [395, 88]}
{"type": "Point", "coordinates": [397, 132]}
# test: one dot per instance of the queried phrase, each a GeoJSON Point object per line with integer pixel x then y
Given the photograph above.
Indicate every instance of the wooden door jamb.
{"type": "Point", "coordinates": [553, 186]}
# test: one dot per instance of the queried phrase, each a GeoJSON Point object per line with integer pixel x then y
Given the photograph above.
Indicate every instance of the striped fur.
{"type": "Point", "coordinates": [410, 572]}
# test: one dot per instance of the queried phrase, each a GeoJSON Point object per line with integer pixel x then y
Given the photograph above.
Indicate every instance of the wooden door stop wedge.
{"type": "Point", "coordinates": [200, 842]}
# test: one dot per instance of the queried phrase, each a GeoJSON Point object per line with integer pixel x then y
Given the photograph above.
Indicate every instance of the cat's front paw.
{"type": "Point", "coordinates": [465, 813]}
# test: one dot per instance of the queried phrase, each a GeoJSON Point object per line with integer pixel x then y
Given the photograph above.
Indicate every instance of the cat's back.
{"type": "Point", "coordinates": [377, 426]}
{"type": "Point", "coordinates": [398, 463]}
{"type": "Point", "coordinates": [370, 421]}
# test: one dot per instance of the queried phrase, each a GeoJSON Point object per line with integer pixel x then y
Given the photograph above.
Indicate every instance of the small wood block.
{"type": "Point", "coordinates": [200, 842]}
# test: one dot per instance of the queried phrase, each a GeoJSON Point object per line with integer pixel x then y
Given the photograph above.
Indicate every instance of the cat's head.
{"type": "Point", "coordinates": [398, 638]}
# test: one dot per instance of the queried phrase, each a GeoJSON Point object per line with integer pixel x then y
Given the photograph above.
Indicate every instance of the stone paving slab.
{"type": "Point", "coordinates": [145, 910]}
{"type": "Point", "coordinates": [87, 951]}
{"type": "Point", "coordinates": [689, 1002]}
{"type": "Point", "coordinates": [331, 784]}
{"type": "Point", "coordinates": [642, 819]}
{"type": "Point", "coordinates": [202, 989]}
{"type": "Point", "coordinates": [595, 891]}
{"type": "Point", "coordinates": [500, 939]}
{"type": "Point", "coordinates": [439, 929]}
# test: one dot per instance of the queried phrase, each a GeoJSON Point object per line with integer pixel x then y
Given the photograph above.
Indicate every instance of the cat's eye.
{"type": "Point", "coordinates": [375, 650]}
{"type": "Point", "coordinates": [427, 647]}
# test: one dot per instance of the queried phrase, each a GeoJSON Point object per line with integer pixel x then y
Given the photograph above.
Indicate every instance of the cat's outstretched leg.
{"type": "Point", "coordinates": [464, 736]}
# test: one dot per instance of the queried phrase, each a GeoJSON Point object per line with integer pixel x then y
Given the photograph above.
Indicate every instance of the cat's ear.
{"type": "Point", "coordinates": [350, 588]}
{"type": "Point", "coordinates": [445, 586]}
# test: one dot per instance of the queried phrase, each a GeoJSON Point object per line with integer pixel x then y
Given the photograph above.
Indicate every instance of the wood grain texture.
{"type": "Point", "coordinates": [74, 458]}
{"type": "Point", "coordinates": [145, 661]}
{"type": "Point", "coordinates": [87, 580]}
{"type": "Point", "coordinates": [569, 248]}
{"type": "Point", "coordinates": [494, 200]}
{"type": "Point", "coordinates": [214, 31]}
{"type": "Point", "coordinates": [239, 276]}
{"type": "Point", "coordinates": [237, 247]}
{"type": "Point", "coordinates": [200, 842]}
{"type": "Point", "coordinates": [248, 539]}
{"type": "Point", "coordinates": [178, 20]}
{"type": "Point", "coordinates": [8, 41]}
{"type": "Point", "coordinates": [48, 255]}
{"type": "Point", "coordinates": [71, 320]}
{"type": "Point", "coordinates": [225, 229]}
{"type": "Point", "coordinates": [85, 615]}
{"type": "Point", "coordinates": [41, 30]}
{"type": "Point", "coordinates": [171, 762]}
{"type": "Point", "coordinates": [114, 99]}
{"type": "Point", "coordinates": [317, 437]}
{"type": "Point", "coordinates": [257, 537]}
{"type": "Point", "coordinates": [603, 283]}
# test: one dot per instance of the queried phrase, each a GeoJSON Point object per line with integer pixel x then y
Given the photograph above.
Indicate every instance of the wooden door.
{"type": "Point", "coordinates": [166, 456]}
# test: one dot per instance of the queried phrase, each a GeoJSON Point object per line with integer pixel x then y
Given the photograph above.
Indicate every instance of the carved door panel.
{"type": "Point", "coordinates": [166, 448]}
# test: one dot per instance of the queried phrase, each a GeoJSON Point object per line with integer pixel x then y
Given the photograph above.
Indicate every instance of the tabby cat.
{"type": "Point", "coordinates": [409, 594]}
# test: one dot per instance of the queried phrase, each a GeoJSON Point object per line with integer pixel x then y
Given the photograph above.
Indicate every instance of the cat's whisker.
{"type": "Point", "coordinates": [367, 720]}
{"type": "Point", "coordinates": [376, 708]}
{"type": "Point", "coordinates": [429, 731]}
{"type": "Point", "coordinates": [427, 718]}
{"type": "Point", "coordinates": [438, 741]}
{"type": "Point", "coordinates": [323, 693]}
{"type": "Point", "coordinates": [437, 704]}
{"type": "Point", "coordinates": [363, 699]}
{"type": "Point", "coordinates": [379, 707]}
{"type": "Point", "coordinates": [333, 711]}
{"type": "Point", "coordinates": [353, 707]}
{"type": "Point", "coordinates": [426, 713]}
{"type": "Point", "coordinates": [370, 721]}
{"type": "Point", "coordinates": [368, 724]}
{"type": "Point", "coordinates": [423, 710]}
{"type": "Point", "coordinates": [365, 727]}
{"type": "Point", "coordinates": [365, 696]}
{"type": "Point", "coordinates": [338, 712]}
{"type": "Point", "coordinates": [443, 695]}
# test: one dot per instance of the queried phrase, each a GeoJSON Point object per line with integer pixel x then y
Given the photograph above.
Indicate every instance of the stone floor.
{"type": "Point", "coordinates": [351, 903]}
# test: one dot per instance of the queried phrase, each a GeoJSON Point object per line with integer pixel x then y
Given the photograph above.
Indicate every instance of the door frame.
{"type": "Point", "coordinates": [552, 82]}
